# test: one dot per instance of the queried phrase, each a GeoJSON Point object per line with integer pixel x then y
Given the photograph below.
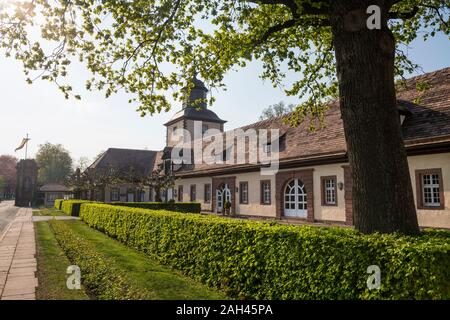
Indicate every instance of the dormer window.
{"type": "Point", "coordinates": [402, 118]}
{"type": "Point", "coordinates": [267, 148]}
{"type": "Point", "coordinates": [403, 111]}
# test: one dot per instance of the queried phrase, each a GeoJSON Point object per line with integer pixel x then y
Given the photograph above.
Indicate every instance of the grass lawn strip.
{"type": "Point", "coordinates": [99, 274]}
{"type": "Point", "coordinates": [163, 282]}
{"type": "Point", "coordinates": [51, 268]}
{"type": "Point", "coordinates": [48, 212]}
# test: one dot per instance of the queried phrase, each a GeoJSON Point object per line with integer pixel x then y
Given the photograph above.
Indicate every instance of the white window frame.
{"type": "Point", "coordinates": [207, 193]}
{"type": "Point", "coordinates": [193, 193]}
{"type": "Point", "coordinates": [330, 191]}
{"type": "Point", "coordinates": [434, 190]}
{"type": "Point", "coordinates": [244, 193]}
{"type": "Point", "coordinates": [266, 192]}
{"type": "Point", "coordinates": [295, 200]}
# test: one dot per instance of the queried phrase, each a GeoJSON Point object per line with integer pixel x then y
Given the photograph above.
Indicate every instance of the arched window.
{"type": "Point", "coordinates": [223, 195]}
{"type": "Point", "coordinates": [295, 199]}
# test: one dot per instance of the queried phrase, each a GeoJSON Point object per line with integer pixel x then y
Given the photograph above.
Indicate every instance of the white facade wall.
{"type": "Point", "coordinates": [427, 217]}
{"type": "Point", "coordinates": [433, 217]}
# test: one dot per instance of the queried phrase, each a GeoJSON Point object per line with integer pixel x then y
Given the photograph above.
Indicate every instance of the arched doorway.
{"type": "Point", "coordinates": [223, 195]}
{"type": "Point", "coordinates": [295, 199]}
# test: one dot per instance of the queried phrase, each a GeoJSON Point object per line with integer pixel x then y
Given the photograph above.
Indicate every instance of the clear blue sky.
{"type": "Point", "coordinates": [94, 124]}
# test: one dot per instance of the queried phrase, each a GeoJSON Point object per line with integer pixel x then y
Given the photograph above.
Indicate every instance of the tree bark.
{"type": "Point", "coordinates": [382, 192]}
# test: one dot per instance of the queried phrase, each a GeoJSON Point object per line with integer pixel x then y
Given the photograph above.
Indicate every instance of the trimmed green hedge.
{"type": "Point", "coordinates": [186, 207]}
{"type": "Point", "coordinates": [58, 203]}
{"type": "Point", "coordinates": [72, 207]}
{"type": "Point", "coordinates": [259, 260]}
{"type": "Point", "coordinates": [104, 281]}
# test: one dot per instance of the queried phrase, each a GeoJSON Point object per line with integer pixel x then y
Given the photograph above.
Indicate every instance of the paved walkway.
{"type": "Point", "coordinates": [17, 259]}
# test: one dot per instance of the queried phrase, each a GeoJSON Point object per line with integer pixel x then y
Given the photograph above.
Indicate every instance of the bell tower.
{"type": "Point", "coordinates": [194, 108]}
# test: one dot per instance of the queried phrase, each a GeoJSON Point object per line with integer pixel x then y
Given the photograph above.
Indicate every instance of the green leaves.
{"type": "Point", "coordinates": [72, 207]}
{"type": "Point", "coordinates": [151, 49]}
{"type": "Point", "coordinates": [55, 163]}
{"type": "Point", "coordinates": [256, 260]}
{"type": "Point", "coordinates": [186, 207]}
{"type": "Point", "coordinates": [106, 282]}
{"type": "Point", "coordinates": [58, 204]}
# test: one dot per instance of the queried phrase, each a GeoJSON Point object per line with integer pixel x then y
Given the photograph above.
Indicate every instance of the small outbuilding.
{"type": "Point", "coordinates": [52, 191]}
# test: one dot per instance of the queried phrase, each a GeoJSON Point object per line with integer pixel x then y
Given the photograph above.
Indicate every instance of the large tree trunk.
{"type": "Point", "coordinates": [382, 193]}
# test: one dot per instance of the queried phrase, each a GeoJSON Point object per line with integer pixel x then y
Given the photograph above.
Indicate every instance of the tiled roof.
{"type": "Point", "coordinates": [54, 187]}
{"type": "Point", "coordinates": [427, 123]}
{"type": "Point", "coordinates": [201, 114]}
{"type": "Point", "coordinates": [158, 159]}
{"type": "Point", "coordinates": [430, 109]}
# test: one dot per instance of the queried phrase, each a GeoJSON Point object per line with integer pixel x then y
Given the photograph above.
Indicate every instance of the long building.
{"type": "Point", "coordinates": [313, 181]}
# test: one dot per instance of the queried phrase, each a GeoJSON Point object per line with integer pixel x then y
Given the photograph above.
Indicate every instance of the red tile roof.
{"type": "Point", "coordinates": [430, 119]}
{"type": "Point", "coordinates": [142, 161]}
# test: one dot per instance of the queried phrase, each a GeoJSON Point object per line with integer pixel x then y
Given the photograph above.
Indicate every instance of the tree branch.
{"type": "Point", "coordinates": [445, 23]}
{"type": "Point", "coordinates": [297, 8]}
{"type": "Point", "coordinates": [274, 29]}
{"type": "Point", "coordinates": [297, 19]}
{"type": "Point", "coordinates": [155, 41]}
{"type": "Point", "coordinates": [404, 15]}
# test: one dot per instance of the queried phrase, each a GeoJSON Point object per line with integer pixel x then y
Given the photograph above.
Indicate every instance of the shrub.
{"type": "Point", "coordinates": [186, 207]}
{"type": "Point", "coordinates": [104, 281]}
{"type": "Point", "coordinates": [259, 260]}
{"type": "Point", "coordinates": [58, 203]}
{"type": "Point", "coordinates": [72, 207]}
